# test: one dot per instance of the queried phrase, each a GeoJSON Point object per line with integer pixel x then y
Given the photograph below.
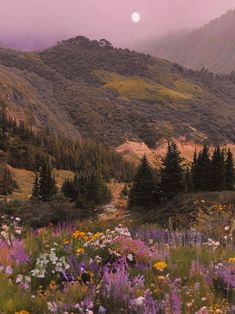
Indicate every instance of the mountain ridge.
{"type": "Point", "coordinates": [211, 46]}
{"type": "Point", "coordinates": [87, 88]}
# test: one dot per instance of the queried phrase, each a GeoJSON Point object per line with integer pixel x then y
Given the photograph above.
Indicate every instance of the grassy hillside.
{"type": "Point", "coordinates": [25, 178]}
{"type": "Point", "coordinates": [90, 89]}
{"type": "Point", "coordinates": [212, 46]}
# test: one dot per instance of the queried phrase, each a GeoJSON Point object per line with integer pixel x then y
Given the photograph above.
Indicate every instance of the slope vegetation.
{"type": "Point", "coordinates": [212, 46]}
{"type": "Point", "coordinates": [88, 88]}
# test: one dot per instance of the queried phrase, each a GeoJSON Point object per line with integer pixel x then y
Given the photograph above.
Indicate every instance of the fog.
{"type": "Point", "coordinates": [35, 24]}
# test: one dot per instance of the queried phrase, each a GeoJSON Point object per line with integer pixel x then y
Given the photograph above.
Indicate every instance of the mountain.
{"type": "Point", "coordinates": [89, 89]}
{"type": "Point", "coordinates": [212, 46]}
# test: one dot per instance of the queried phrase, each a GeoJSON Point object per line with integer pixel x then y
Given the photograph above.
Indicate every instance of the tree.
{"type": "Point", "coordinates": [202, 171]}
{"type": "Point", "coordinates": [142, 193]}
{"type": "Point", "coordinates": [92, 191]}
{"type": "Point", "coordinates": [36, 187]}
{"type": "Point", "coordinates": [7, 183]}
{"type": "Point", "coordinates": [218, 175]}
{"type": "Point", "coordinates": [188, 182]}
{"type": "Point", "coordinates": [195, 173]}
{"type": "Point", "coordinates": [229, 173]}
{"type": "Point", "coordinates": [69, 189]}
{"type": "Point", "coordinates": [172, 174]}
{"type": "Point", "coordinates": [47, 181]}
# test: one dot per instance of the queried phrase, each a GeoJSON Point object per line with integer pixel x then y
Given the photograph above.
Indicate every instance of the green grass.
{"type": "Point", "coordinates": [24, 179]}
{"type": "Point", "coordinates": [143, 89]}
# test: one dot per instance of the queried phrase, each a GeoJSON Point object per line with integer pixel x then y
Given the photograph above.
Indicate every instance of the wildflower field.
{"type": "Point", "coordinates": [90, 268]}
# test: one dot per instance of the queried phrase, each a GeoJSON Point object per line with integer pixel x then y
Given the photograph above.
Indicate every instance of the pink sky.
{"type": "Point", "coordinates": [51, 20]}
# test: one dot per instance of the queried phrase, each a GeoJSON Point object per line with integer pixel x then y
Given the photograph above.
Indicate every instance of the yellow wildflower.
{"type": "Point", "coordinates": [66, 242]}
{"type": "Point", "coordinates": [95, 236]}
{"type": "Point", "coordinates": [231, 260]}
{"type": "Point", "coordinates": [79, 234]}
{"type": "Point", "coordinates": [53, 285]}
{"type": "Point", "coordinates": [76, 234]}
{"type": "Point", "coordinates": [22, 312]}
{"type": "Point", "coordinates": [80, 251]}
{"type": "Point", "coordinates": [160, 265]}
{"type": "Point", "coordinates": [161, 278]}
{"type": "Point", "coordinates": [82, 234]}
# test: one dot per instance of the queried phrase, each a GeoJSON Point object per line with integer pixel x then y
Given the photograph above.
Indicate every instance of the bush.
{"type": "Point", "coordinates": [38, 214]}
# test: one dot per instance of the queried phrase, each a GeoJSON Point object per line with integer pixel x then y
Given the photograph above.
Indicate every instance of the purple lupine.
{"type": "Point", "coordinates": [87, 304]}
{"type": "Point", "coordinates": [163, 236]}
{"type": "Point", "coordinates": [226, 273]}
{"type": "Point", "coordinates": [19, 253]}
{"type": "Point", "coordinates": [176, 302]}
{"type": "Point", "coordinates": [151, 306]}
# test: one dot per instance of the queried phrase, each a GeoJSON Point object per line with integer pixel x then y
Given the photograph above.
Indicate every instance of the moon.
{"type": "Point", "coordinates": [136, 17]}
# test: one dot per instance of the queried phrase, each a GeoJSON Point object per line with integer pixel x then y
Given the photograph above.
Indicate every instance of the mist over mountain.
{"type": "Point", "coordinates": [26, 42]}
{"type": "Point", "coordinates": [212, 46]}
{"type": "Point", "coordinates": [35, 25]}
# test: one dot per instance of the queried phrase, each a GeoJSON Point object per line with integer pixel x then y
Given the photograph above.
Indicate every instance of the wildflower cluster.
{"type": "Point", "coordinates": [10, 228]}
{"type": "Point", "coordinates": [50, 262]}
{"type": "Point", "coordinates": [66, 271]}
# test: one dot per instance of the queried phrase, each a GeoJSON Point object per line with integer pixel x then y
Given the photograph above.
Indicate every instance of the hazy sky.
{"type": "Point", "coordinates": [31, 23]}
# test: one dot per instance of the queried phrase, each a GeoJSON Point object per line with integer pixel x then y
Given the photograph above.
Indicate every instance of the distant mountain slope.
{"type": "Point", "coordinates": [87, 88]}
{"type": "Point", "coordinates": [212, 46]}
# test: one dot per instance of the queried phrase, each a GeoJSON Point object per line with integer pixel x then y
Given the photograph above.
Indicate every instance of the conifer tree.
{"type": "Point", "coordinates": [142, 193]}
{"type": "Point", "coordinates": [218, 175]}
{"type": "Point", "coordinates": [172, 174]}
{"type": "Point", "coordinates": [69, 189]}
{"type": "Point", "coordinates": [92, 190]}
{"type": "Point", "coordinates": [188, 182]}
{"type": "Point", "coordinates": [47, 182]}
{"type": "Point", "coordinates": [8, 184]}
{"type": "Point", "coordinates": [230, 171]}
{"type": "Point", "coordinates": [36, 187]}
{"type": "Point", "coordinates": [195, 173]}
{"type": "Point", "coordinates": [203, 170]}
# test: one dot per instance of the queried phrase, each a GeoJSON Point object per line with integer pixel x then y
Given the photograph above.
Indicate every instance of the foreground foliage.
{"type": "Point", "coordinates": [146, 269]}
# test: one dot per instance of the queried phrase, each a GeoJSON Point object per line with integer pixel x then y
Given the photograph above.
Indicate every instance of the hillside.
{"type": "Point", "coordinates": [212, 46]}
{"type": "Point", "coordinates": [89, 89]}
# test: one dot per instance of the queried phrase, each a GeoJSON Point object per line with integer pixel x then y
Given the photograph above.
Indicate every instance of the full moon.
{"type": "Point", "coordinates": [136, 17]}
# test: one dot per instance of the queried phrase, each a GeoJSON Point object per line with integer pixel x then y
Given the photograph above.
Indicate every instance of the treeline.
{"type": "Point", "coordinates": [22, 147]}
{"type": "Point", "coordinates": [88, 189]}
{"type": "Point", "coordinates": [208, 172]}
{"type": "Point", "coordinates": [212, 172]}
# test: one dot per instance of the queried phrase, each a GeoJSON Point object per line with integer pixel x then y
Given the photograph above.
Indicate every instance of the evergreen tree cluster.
{"type": "Point", "coordinates": [44, 187]}
{"type": "Point", "coordinates": [7, 182]}
{"type": "Point", "coordinates": [213, 172]}
{"type": "Point", "coordinates": [22, 147]}
{"type": "Point", "coordinates": [207, 173]}
{"type": "Point", "coordinates": [88, 189]}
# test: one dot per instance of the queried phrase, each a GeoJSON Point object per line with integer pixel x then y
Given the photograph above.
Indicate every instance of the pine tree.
{"type": "Point", "coordinates": [172, 174]}
{"type": "Point", "coordinates": [203, 170]}
{"type": "Point", "coordinates": [47, 182]}
{"type": "Point", "coordinates": [218, 175]}
{"type": "Point", "coordinates": [7, 183]}
{"type": "Point", "coordinates": [92, 190]}
{"type": "Point", "coordinates": [142, 193]}
{"type": "Point", "coordinates": [195, 173]}
{"type": "Point", "coordinates": [69, 189]}
{"type": "Point", "coordinates": [230, 171]}
{"type": "Point", "coordinates": [36, 187]}
{"type": "Point", "coordinates": [188, 182]}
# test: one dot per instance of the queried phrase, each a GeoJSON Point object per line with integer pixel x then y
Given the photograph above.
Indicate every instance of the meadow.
{"type": "Point", "coordinates": [118, 266]}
